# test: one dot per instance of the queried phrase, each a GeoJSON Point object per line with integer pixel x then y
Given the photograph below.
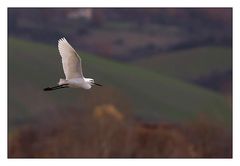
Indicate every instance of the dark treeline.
{"type": "Point", "coordinates": [200, 26]}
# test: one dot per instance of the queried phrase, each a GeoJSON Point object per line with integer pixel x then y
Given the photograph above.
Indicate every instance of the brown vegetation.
{"type": "Point", "coordinates": [105, 132]}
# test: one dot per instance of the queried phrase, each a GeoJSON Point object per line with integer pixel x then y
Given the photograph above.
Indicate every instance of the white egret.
{"type": "Point", "coordinates": [72, 68]}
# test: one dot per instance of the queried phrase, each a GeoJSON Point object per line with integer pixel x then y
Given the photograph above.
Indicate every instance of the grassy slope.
{"type": "Point", "coordinates": [190, 64]}
{"type": "Point", "coordinates": [35, 66]}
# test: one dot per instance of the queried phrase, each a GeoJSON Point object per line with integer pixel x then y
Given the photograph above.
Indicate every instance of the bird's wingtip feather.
{"type": "Point", "coordinates": [62, 38]}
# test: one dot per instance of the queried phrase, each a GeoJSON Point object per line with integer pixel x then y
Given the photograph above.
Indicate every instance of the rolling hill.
{"type": "Point", "coordinates": [33, 66]}
{"type": "Point", "coordinates": [190, 64]}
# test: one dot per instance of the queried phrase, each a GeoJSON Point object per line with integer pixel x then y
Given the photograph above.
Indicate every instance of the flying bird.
{"type": "Point", "coordinates": [72, 68]}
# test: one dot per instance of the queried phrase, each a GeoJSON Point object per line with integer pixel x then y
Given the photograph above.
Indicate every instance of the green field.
{"type": "Point", "coordinates": [33, 66]}
{"type": "Point", "coordinates": [190, 64]}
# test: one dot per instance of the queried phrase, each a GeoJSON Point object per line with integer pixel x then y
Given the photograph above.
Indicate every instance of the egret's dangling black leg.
{"type": "Point", "coordinates": [56, 87]}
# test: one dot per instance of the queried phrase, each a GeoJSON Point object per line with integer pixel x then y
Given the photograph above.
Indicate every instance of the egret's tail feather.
{"type": "Point", "coordinates": [62, 81]}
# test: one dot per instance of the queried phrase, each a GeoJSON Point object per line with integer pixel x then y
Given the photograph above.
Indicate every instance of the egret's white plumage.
{"type": "Point", "coordinates": [71, 61]}
{"type": "Point", "coordinates": [72, 67]}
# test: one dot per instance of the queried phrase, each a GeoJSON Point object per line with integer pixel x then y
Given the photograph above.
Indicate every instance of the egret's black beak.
{"type": "Point", "coordinates": [97, 84]}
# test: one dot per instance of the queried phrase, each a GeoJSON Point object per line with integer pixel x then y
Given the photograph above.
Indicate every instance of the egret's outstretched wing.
{"type": "Point", "coordinates": [71, 61]}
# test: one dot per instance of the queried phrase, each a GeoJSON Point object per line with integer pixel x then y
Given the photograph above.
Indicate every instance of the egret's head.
{"type": "Point", "coordinates": [92, 82]}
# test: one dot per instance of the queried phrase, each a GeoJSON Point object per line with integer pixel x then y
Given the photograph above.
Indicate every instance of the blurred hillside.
{"type": "Point", "coordinates": [210, 67]}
